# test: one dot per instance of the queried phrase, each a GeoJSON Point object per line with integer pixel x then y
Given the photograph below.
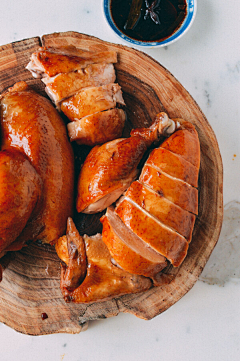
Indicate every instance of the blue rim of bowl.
{"type": "Point", "coordinates": [191, 13]}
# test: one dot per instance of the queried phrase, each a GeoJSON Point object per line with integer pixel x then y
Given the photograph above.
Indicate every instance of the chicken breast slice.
{"type": "Point", "coordinates": [92, 100]}
{"type": "Point", "coordinates": [53, 61]}
{"type": "Point", "coordinates": [185, 142]}
{"type": "Point", "coordinates": [162, 208]}
{"type": "Point", "coordinates": [162, 239]}
{"type": "Point", "coordinates": [174, 165]}
{"type": "Point", "coordinates": [177, 191]}
{"type": "Point", "coordinates": [127, 249]}
{"type": "Point", "coordinates": [64, 85]}
{"type": "Point", "coordinates": [97, 128]}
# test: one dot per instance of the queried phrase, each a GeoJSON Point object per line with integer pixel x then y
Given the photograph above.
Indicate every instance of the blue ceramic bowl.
{"type": "Point", "coordinates": [191, 13]}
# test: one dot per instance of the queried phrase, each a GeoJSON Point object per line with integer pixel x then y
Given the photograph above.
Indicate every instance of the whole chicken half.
{"type": "Point", "coordinates": [36, 170]}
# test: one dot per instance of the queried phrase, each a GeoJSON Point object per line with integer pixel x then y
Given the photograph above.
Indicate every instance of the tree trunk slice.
{"type": "Point", "coordinates": [31, 277]}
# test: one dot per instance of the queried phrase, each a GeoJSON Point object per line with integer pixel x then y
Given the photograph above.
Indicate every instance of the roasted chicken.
{"type": "Point", "coordinates": [110, 169]}
{"type": "Point", "coordinates": [160, 208]}
{"type": "Point", "coordinates": [81, 85]}
{"type": "Point", "coordinates": [95, 278]}
{"type": "Point", "coordinates": [36, 167]}
{"type": "Point", "coordinates": [150, 226]}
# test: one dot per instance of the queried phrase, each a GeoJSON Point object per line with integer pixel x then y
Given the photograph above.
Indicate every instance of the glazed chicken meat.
{"type": "Point", "coordinates": [82, 85]}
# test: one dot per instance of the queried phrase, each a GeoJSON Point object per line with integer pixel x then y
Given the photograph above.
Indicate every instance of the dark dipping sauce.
{"type": "Point", "coordinates": [154, 21]}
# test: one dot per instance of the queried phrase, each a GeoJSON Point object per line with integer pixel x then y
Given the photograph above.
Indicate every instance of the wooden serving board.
{"type": "Point", "coordinates": [31, 277]}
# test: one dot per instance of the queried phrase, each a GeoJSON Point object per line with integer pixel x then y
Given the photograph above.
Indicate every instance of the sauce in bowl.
{"type": "Point", "coordinates": [148, 20]}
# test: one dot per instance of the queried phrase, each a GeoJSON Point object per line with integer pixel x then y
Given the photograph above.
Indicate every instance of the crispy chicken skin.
{"type": "Point", "coordinates": [103, 279]}
{"type": "Point", "coordinates": [31, 125]}
{"type": "Point", "coordinates": [161, 238]}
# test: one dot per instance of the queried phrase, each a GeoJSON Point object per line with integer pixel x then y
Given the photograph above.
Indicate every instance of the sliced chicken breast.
{"type": "Point", "coordinates": [64, 85]}
{"type": "Point", "coordinates": [92, 100]}
{"type": "Point", "coordinates": [177, 191]}
{"type": "Point", "coordinates": [185, 142]}
{"type": "Point", "coordinates": [97, 128]}
{"type": "Point", "coordinates": [162, 208]}
{"type": "Point", "coordinates": [162, 239]}
{"type": "Point", "coordinates": [174, 165]}
{"type": "Point", "coordinates": [127, 249]}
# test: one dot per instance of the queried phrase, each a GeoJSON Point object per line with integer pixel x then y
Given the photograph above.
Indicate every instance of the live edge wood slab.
{"type": "Point", "coordinates": [30, 286]}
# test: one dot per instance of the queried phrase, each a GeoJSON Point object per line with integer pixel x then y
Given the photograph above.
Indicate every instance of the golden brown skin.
{"type": "Point", "coordinates": [97, 128]}
{"type": "Point", "coordinates": [177, 191]}
{"type": "Point", "coordinates": [185, 142]}
{"type": "Point", "coordinates": [92, 100]}
{"type": "Point", "coordinates": [20, 192]}
{"type": "Point", "coordinates": [174, 165]}
{"type": "Point", "coordinates": [168, 243]}
{"type": "Point", "coordinates": [104, 280]}
{"type": "Point", "coordinates": [31, 125]}
{"type": "Point", "coordinates": [108, 168]}
{"type": "Point", "coordinates": [164, 210]}
{"type": "Point", "coordinates": [160, 208]}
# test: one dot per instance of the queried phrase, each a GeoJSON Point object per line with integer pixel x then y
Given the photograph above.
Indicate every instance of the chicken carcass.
{"type": "Point", "coordinates": [95, 278]}
{"type": "Point", "coordinates": [37, 169]}
{"type": "Point", "coordinates": [160, 208]}
{"type": "Point", "coordinates": [110, 169]}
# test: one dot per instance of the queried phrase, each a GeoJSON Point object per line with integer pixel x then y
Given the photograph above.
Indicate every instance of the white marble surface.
{"type": "Point", "coordinates": [205, 323]}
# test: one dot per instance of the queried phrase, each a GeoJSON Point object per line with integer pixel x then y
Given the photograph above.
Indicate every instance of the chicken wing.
{"type": "Point", "coordinates": [103, 279]}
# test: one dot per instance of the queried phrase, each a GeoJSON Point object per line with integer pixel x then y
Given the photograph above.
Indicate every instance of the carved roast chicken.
{"type": "Point", "coordinates": [149, 227]}
{"type": "Point", "coordinates": [81, 85]}
{"type": "Point", "coordinates": [36, 170]}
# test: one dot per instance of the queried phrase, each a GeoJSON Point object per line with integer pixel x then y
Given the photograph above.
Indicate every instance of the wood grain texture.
{"type": "Point", "coordinates": [30, 283]}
